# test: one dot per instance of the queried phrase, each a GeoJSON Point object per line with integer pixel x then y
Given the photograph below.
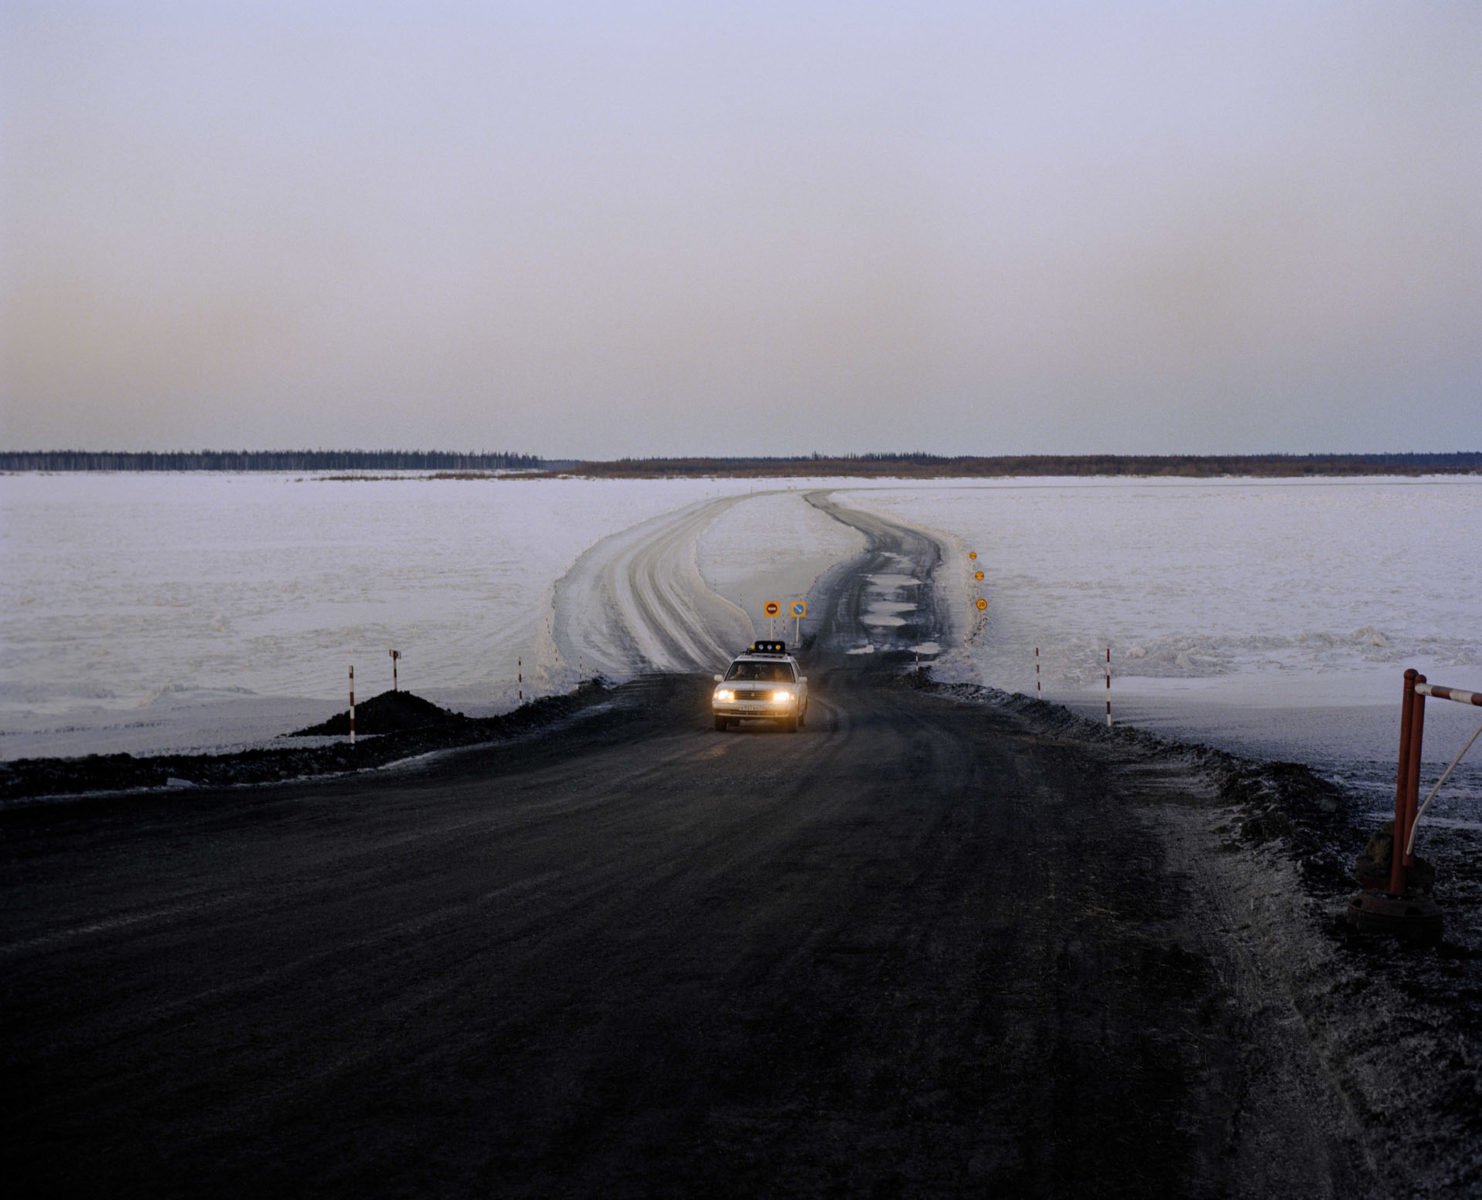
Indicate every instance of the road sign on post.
{"type": "Point", "coordinates": [799, 610]}
{"type": "Point", "coordinates": [773, 610]}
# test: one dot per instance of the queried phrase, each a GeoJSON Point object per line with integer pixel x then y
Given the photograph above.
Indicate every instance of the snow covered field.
{"type": "Point", "coordinates": [201, 611]}
{"type": "Point", "coordinates": [1272, 617]}
{"type": "Point", "coordinates": [142, 612]}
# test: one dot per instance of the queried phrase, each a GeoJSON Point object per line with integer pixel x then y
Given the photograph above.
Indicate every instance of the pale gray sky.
{"type": "Point", "coordinates": [616, 228]}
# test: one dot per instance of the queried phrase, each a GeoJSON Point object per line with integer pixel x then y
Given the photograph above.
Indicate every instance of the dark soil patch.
{"type": "Point", "coordinates": [390, 712]}
{"type": "Point", "coordinates": [404, 725]}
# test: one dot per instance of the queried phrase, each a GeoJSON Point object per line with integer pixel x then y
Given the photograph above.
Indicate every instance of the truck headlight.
{"type": "Point", "coordinates": [782, 697]}
{"type": "Point", "coordinates": [724, 694]}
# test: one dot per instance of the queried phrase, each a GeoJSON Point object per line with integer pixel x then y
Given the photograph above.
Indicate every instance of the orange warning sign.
{"type": "Point", "coordinates": [772, 609]}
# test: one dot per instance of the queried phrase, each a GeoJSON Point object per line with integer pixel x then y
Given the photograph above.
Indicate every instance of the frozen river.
{"type": "Point", "coordinates": [204, 611]}
{"type": "Point", "coordinates": [1272, 617]}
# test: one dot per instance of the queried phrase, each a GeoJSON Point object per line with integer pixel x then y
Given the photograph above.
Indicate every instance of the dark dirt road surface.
{"type": "Point", "coordinates": [923, 947]}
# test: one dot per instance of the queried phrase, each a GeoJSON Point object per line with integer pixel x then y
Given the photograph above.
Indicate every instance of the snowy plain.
{"type": "Point", "coordinates": [1270, 617]}
{"type": "Point", "coordinates": [182, 612]}
{"type": "Point", "coordinates": [202, 611]}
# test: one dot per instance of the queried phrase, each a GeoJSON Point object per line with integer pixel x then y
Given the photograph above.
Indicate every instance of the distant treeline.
{"type": "Point", "coordinates": [263, 460]}
{"type": "Point", "coordinates": [936, 466]}
{"type": "Point", "coordinates": [911, 465]}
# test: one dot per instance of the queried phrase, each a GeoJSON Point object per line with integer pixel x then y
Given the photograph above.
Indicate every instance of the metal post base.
{"type": "Point", "coordinates": [1413, 918]}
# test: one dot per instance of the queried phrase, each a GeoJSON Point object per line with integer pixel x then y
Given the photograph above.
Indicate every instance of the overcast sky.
{"type": "Point", "coordinates": [622, 228]}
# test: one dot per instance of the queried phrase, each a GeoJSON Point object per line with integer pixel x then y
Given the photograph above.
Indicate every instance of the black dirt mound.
{"type": "Point", "coordinates": [406, 725]}
{"type": "Point", "coordinates": [390, 712]}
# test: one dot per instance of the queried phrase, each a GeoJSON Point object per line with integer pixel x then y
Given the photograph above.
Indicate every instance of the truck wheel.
{"type": "Point", "coordinates": [720, 724]}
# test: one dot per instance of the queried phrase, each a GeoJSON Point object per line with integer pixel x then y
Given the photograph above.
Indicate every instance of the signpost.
{"type": "Point", "coordinates": [773, 610]}
{"type": "Point", "coordinates": [395, 658]}
{"type": "Point", "coordinates": [979, 602]}
{"type": "Point", "coordinates": [799, 611]}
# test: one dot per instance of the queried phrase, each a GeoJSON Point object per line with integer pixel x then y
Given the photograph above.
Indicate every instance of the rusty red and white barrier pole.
{"type": "Point", "coordinates": [352, 706]}
{"type": "Point", "coordinates": [1422, 690]}
{"type": "Point", "coordinates": [1403, 908]}
{"type": "Point", "coordinates": [1412, 775]}
{"type": "Point", "coordinates": [1402, 784]}
{"type": "Point", "coordinates": [1447, 693]}
{"type": "Point", "coordinates": [1108, 688]}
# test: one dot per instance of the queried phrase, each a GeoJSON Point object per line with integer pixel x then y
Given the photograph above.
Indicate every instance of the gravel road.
{"type": "Point", "coordinates": [921, 947]}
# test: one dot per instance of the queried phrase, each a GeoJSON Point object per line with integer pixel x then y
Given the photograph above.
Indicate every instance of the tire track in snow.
{"type": "Point", "coordinates": [636, 601]}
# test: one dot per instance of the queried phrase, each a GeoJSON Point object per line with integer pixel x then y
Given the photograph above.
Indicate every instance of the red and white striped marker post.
{"type": "Point", "coordinates": [1038, 691]}
{"type": "Point", "coordinates": [1109, 686]}
{"type": "Point", "coordinates": [352, 706]}
{"type": "Point", "coordinates": [520, 680]}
